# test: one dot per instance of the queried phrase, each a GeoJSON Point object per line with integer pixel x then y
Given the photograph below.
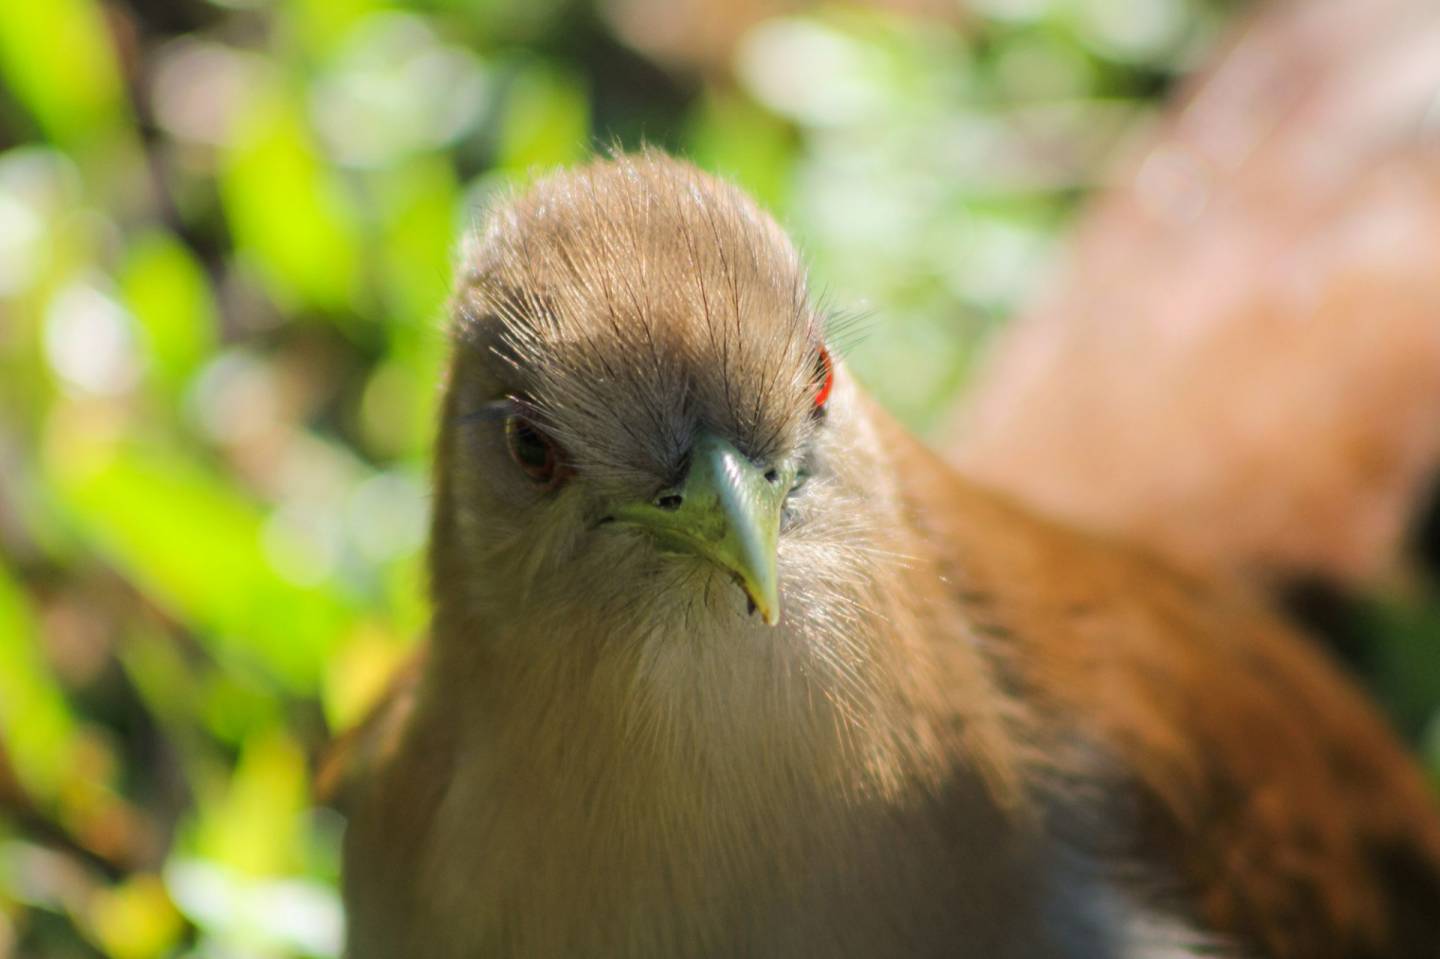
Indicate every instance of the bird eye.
{"type": "Point", "coordinates": [824, 379]}
{"type": "Point", "coordinates": [534, 452]}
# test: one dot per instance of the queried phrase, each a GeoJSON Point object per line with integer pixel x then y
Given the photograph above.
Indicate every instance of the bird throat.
{"type": "Point", "coordinates": [709, 781]}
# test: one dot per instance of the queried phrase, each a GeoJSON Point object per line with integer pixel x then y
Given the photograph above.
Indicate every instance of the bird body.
{"type": "Point", "coordinates": [723, 663]}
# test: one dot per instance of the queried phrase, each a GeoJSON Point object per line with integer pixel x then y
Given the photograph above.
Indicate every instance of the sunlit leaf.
{"type": "Point", "coordinates": [35, 720]}
{"type": "Point", "coordinates": [547, 120]}
{"type": "Point", "coordinates": [359, 675]}
{"type": "Point", "coordinates": [289, 214]}
{"type": "Point", "coordinates": [193, 544]}
{"type": "Point", "coordinates": [397, 411]}
{"type": "Point", "coordinates": [253, 825]}
{"type": "Point", "coordinates": [737, 139]}
{"type": "Point", "coordinates": [321, 24]}
{"type": "Point", "coordinates": [194, 701]}
{"type": "Point", "coordinates": [234, 706]}
{"type": "Point", "coordinates": [167, 291]}
{"type": "Point", "coordinates": [135, 919]}
{"type": "Point", "coordinates": [57, 59]}
{"type": "Point", "coordinates": [419, 203]}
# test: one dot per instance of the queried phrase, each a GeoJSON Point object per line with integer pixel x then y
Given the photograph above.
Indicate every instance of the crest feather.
{"type": "Point", "coordinates": [637, 298]}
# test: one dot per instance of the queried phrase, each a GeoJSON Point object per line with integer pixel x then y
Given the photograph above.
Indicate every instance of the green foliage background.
{"type": "Point", "coordinates": [226, 233]}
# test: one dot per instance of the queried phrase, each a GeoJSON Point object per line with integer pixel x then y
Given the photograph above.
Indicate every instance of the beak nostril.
{"type": "Point", "coordinates": [669, 501]}
{"type": "Point", "coordinates": [772, 476]}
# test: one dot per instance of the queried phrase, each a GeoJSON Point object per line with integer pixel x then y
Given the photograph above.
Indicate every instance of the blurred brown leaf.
{"type": "Point", "coordinates": [1240, 362]}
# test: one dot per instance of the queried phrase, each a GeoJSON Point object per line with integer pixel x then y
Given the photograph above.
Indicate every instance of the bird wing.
{"type": "Point", "coordinates": [1240, 362]}
{"type": "Point", "coordinates": [1251, 771]}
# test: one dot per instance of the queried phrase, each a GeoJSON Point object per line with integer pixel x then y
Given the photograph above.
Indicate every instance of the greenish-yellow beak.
{"type": "Point", "coordinates": [726, 510]}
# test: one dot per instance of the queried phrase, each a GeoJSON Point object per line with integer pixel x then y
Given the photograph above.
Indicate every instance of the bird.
{"type": "Point", "coordinates": [724, 662]}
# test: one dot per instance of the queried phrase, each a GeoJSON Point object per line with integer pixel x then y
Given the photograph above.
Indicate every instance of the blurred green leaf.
{"type": "Point", "coordinates": [168, 292]}
{"type": "Point", "coordinates": [234, 706]}
{"type": "Point", "coordinates": [199, 705]}
{"type": "Point", "coordinates": [253, 825]}
{"type": "Point", "coordinates": [288, 212]}
{"type": "Point", "coordinates": [546, 121]}
{"type": "Point", "coordinates": [168, 686]}
{"type": "Point", "coordinates": [135, 919]}
{"type": "Point", "coordinates": [734, 137]}
{"type": "Point", "coordinates": [511, 22]}
{"type": "Point", "coordinates": [1400, 636]}
{"type": "Point", "coordinates": [398, 408]}
{"type": "Point", "coordinates": [35, 719]}
{"type": "Point", "coordinates": [419, 203]}
{"type": "Point", "coordinates": [320, 25]}
{"type": "Point", "coordinates": [194, 545]}
{"type": "Point", "coordinates": [57, 59]}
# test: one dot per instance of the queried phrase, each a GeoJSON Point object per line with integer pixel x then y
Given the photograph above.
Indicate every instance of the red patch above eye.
{"type": "Point", "coordinates": [825, 377]}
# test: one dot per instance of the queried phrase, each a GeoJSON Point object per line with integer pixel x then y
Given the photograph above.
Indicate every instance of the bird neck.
{"type": "Point", "coordinates": [848, 701]}
{"type": "Point", "coordinates": [758, 705]}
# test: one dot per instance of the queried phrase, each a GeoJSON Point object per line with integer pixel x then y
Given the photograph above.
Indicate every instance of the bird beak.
{"type": "Point", "coordinates": [725, 511]}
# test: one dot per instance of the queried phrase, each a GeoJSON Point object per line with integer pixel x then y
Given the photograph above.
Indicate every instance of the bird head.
{"type": "Point", "coordinates": [644, 430]}
{"type": "Point", "coordinates": [669, 529]}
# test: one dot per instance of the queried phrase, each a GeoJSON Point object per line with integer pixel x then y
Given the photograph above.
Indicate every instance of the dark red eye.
{"type": "Point", "coordinates": [824, 378]}
{"type": "Point", "coordinates": [534, 452]}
